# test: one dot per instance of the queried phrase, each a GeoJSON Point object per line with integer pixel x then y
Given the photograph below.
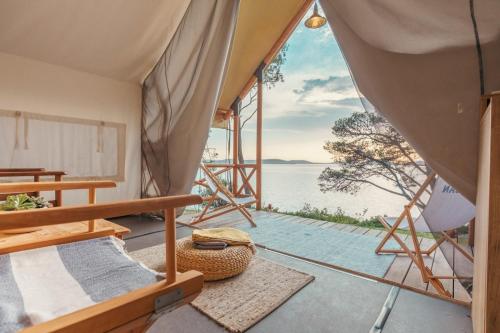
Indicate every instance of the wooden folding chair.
{"type": "Point", "coordinates": [219, 191]}
{"type": "Point", "coordinates": [417, 254]}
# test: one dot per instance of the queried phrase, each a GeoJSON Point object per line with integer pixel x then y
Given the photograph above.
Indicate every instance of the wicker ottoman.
{"type": "Point", "coordinates": [214, 264]}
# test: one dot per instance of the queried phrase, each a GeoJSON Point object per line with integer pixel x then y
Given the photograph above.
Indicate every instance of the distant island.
{"type": "Point", "coordinates": [279, 161]}
{"type": "Point", "coordinates": [273, 161]}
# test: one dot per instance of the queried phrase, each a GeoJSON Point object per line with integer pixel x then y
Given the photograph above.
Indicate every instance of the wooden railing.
{"type": "Point", "coordinates": [241, 177]}
{"type": "Point", "coordinates": [36, 173]}
{"type": "Point", "coordinates": [59, 186]}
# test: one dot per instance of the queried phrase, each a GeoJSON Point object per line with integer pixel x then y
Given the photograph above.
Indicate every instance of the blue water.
{"type": "Point", "coordinates": [290, 186]}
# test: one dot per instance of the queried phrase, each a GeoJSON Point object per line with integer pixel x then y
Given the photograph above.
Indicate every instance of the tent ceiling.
{"type": "Point", "coordinates": [260, 24]}
{"type": "Point", "coordinates": [120, 39]}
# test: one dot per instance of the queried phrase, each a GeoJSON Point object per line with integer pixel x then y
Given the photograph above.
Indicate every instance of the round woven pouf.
{"type": "Point", "coordinates": [214, 264]}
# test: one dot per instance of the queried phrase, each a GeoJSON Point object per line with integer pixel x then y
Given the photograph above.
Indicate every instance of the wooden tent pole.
{"type": "Point", "coordinates": [259, 74]}
{"type": "Point", "coordinates": [236, 129]}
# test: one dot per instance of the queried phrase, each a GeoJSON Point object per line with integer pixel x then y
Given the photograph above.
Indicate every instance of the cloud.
{"type": "Point", "coordinates": [335, 92]}
{"type": "Point", "coordinates": [337, 84]}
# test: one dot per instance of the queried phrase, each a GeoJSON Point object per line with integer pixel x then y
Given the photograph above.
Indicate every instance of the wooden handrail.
{"type": "Point", "coordinates": [24, 173]}
{"type": "Point", "coordinates": [54, 186]}
{"type": "Point", "coordinates": [68, 214]}
{"type": "Point", "coordinates": [20, 169]}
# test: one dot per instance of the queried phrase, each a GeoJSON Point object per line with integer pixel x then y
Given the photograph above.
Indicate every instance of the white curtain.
{"type": "Point", "coordinates": [181, 94]}
{"type": "Point", "coordinates": [417, 62]}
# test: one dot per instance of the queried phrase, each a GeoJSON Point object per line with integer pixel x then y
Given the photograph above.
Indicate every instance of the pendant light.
{"type": "Point", "coordinates": [315, 21]}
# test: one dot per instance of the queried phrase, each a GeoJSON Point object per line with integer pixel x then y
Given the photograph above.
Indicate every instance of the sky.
{"type": "Point", "coordinates": [298, 113]}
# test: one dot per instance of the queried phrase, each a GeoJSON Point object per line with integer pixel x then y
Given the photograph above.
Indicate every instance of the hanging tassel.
{"type": "Point", "coordinates": [26, 132]}
{"type": "Point", "coordinates": [16, 133]}
{"type": "Point", "coordinates": [100, 137]}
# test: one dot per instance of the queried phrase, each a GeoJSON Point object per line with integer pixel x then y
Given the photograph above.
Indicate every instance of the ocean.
{"type": "Point", "coordinates": [290, 186]}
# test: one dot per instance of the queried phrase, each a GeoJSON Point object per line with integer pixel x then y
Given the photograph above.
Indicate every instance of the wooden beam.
{"type": "Point", "coordinates": [52, 186]}
{"type": "Point", "coordinates": [56, 239]}
{"type": "Point", "coordinates": [486, 289]}
{"type": "Point", "coordinates": [59, 215]}
{"type": "Point", "coordinates": [170, 257]}
{"type": "Point", "coordinates": [236, 130]}
{"type": "Point", "coordinates": [258, 176]}
{"type": "Point", "coordinates": [278, 44]}
{"type": "Point", "coordinates": [24, 173]}
{"type": "Point", "coordinates": [92, 199]}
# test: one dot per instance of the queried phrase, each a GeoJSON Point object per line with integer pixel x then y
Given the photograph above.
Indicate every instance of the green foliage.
{"type": "Point", "coordinates": [339, 216]}
{"type": "Point", "coordinates": [23, 202]}
{"type": "Point", "coordinates": [273, 73]}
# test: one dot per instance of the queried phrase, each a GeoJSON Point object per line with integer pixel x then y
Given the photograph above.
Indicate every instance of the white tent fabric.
{"type": "Point", "coordinates": [119, 39]}
{"type": "Point", "coordinates": [417, 62]}
{"type": "Point", "coordinates": [181, 95]}
{"type": "Point", "coordinates": [446, 210]}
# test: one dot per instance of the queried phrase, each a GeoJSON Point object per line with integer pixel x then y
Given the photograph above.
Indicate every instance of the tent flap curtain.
{"type": "Point", "coordinates": [420, 63]}
{"type": "Point", "coordinates": [181, 94]}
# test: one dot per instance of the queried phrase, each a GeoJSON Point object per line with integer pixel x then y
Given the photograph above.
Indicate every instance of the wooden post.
{"type": "Point", "coordinates": [258, 188]}
{"type": "Point", "coordinates": [36, 179]}
{"type": "Point", "coordinates": [236, 129]}
{"type": "Point", "coordinates": [486, 289]}
{"type": "Point", "coordinates": [170, 258]}
{"type": "Point", "coordinates": [58, 193]}
{"type": "Point", "coordinates": [92, 201]}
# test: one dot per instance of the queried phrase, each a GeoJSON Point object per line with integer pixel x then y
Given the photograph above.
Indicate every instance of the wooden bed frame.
{"type": "Point", "coordinates": [131, 312]}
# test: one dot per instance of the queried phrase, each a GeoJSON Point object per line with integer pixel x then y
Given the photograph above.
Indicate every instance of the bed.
{"type": "Point", "coordinates": [86, 282]}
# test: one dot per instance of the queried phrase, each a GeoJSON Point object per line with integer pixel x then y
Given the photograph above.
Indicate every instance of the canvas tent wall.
{"type": "Point", "coordinates": [81, 60]}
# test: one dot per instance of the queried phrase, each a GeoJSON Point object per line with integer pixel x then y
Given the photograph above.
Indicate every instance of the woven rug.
{"type": "Point", "coordinates": [239, 302]}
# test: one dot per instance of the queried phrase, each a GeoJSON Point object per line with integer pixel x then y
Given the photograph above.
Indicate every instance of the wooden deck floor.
{"type": "Point", "coordinates": [402, 270]}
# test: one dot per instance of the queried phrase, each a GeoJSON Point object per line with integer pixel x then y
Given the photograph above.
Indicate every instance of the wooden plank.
{"type": "Point", "coordinates": [258, 148]}
{"type": "Point", "coordinates": [349, 228]}
{"type": "Point", "coordinates": [51, 186]}
{"type": "Point", "coordinates": [414, 276]}
{"type": "Point", "coordinates": [441, 267]}
{"type": "Point", "coordinates": [400, 266]}
{"type": "Point", "coordinates": [361, 230]}
{"type": "Point", "coordinates": [58, 215]}
{"type": "Point", "coordinates": [486, 290]}
{"type": "Point", "coordinates": [55, 234]}
{"type": "Point", "coordinates": [29, 173]}
{"type": "Point", "coordinates": [373, 232]}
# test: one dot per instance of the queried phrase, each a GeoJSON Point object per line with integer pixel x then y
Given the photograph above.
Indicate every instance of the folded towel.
{"type": "Point", "coordinates": [230, 236]}
{"type": "Point", "coordinates": [210, 245]}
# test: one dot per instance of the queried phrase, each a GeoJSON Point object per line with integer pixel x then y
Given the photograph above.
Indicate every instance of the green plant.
{"type": "Point", "coordinates": [23, 202]}
{"type": "Point", "coordinates": [339, 216]}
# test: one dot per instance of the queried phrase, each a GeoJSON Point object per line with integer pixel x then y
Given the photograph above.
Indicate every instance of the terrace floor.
{"type": "Point", "coordinates": [336, 301]}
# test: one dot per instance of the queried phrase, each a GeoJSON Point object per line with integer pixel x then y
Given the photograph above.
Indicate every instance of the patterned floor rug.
{"type": "Point", "coordinates": [239, 302]}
